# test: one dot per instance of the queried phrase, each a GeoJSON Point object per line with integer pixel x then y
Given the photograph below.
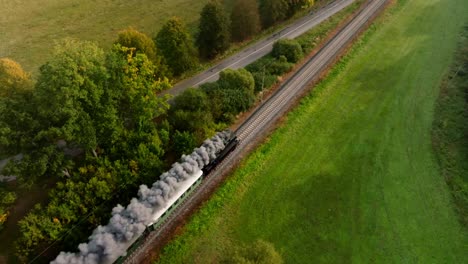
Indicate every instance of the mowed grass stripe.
{"type": "Point", "coordinates": [351, 175]}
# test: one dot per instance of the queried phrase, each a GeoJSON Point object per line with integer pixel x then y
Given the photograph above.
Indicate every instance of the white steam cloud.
{"type": "Point", "coordinates": [109, 242]}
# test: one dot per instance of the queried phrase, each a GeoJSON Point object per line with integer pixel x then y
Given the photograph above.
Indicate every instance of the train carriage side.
{"type": "Point", "coordinates": [182, 192]}
{"type": "Point", "coordinates": [161, 214]}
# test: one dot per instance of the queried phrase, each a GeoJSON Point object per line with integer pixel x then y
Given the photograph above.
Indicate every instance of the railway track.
{"type": "Point", "coordinates": [262, 47]}
{"type": "Point", "coordinates": [264, 117]}
{"type": "Point", "coordinates": [294, 87]}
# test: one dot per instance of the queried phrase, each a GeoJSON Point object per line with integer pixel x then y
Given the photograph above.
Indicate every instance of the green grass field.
{"type": "Point", "coordinates": [351, 176]}
{"type": "Point", "coordinates": [30, 27]}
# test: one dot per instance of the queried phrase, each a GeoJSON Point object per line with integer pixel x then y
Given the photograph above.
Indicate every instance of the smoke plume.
{"type": "Point", "coordinates": [109, 242]}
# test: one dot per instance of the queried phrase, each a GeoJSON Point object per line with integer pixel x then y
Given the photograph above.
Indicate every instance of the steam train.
{"type": "Point", "coordinates": [182, 192]}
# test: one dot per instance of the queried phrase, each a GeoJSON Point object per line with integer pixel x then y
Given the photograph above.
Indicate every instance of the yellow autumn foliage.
{"type": "Point", "coordinates": [13, 78]}
{"type": "Point", "coordinates": [3, 217]}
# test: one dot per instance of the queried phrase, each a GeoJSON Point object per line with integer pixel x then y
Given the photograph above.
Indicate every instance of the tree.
{"type": "Point", "coordinates": [296, 5]}
{"type": "Point", "coordinates": [184, 142]}
{"type": "Point", "coordinates": [191, 113]}
{"type": "Point", "coordinates": [176, 46]}
{"type": "Point", "coordinates": [137, 104]}
{"type": "Point", "coordinates": [240, 80]}
{"type": "Point", "coordinates": [80, 199]}
{"type": "Point", "coordinates": [135, 88]}
{"type": "Point", "coordinates": [231, 94]}
{"type": "Point", "coordinates": [245, 19]}
{"type": "Point", "coordinates": [15, 95]}
{"type": "Point", "coordinates": [289, 48]}
{"type": "Point", "coordinates": [33, 229]}
{"type": "Point", "coordinates": [132, 38]}
{"type": "Point", "coordinates": [7, 198]}
{"type": "Point", "coordinates": [64, 106]}
{"type": "Point", "coordinates": [192, 99]}
{"type": "Point", "coordinates": [213, 37]}
{"type": "Point", "coordinates": [69, 92]}
{"type": "Point", "coordinates": [13, 79]}
{"type": "Point", "coordinates": [272, 11]}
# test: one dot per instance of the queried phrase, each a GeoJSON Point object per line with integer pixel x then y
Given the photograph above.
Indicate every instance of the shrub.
{"type": "Point", "coordinates": [263, 80]}
{"type": "Point", "coordinates": [8, 198]}
{"type": "Point", "coordinates": [184, 142]}
{"type": "Point", "coordinates": [280, 67]}
{"type": "Point", "coordinates": [260, 252]}
{"type": "Point", "coordinates": [289, 48]}
{"type": "Point", "coordinates": [231, 94]}
{"type": "Point", "coordinates": [259, 65]}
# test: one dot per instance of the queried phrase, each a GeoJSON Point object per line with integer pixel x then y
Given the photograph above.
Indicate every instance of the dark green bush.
{"type": "Point", "coordinates": [183, 142]}
{"type": "Point", "coordinates": [260, 64]}
{"type": "Point", "coordinates": [280, 67]}
{"type": "Point", "coordinates": [231, 94]}
{"type": "Point", "coordinates": [289, 48]}
{"type": "Point", "coordinates": [263, 81]}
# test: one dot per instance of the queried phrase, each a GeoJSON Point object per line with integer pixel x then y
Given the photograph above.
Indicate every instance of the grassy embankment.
{"type": "Point", "coordinates": [351, 176]}
{"type": "Point", "coordinates": [450, 128]}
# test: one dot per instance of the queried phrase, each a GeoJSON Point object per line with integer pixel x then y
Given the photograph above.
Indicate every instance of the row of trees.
{"type": "Point", "coordinates": [173, 50]}
{"type": "Point", "coordinates": [247, 18]}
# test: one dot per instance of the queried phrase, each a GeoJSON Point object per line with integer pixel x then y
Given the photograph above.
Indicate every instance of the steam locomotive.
{"type": "Point", "coordinates": [183, 191]}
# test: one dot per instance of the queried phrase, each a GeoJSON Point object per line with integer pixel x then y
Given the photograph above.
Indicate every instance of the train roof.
{"type": "Point", "coordinates": [183, 187]}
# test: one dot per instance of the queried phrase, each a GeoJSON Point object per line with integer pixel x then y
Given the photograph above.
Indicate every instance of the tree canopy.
{"type": "Point", "coordinates": [103, 108]}
{"type": "Point", "coordinates": [296, 5]}
{"type": "Point", "coordinates": [272, 11]}
{"type": "Point", "coordinates": [132, 38]}
{"type": "Point", "coordinates": [191, 113]}
{"type": "Point", "coordinates": [231, 94]}
{"type": "Point", "coordinates": [214, 34]}
{"type": "Point", "coordinates": [176, 46]}
{"type": "Point", "coordinates": [289, 48]}
{"type": "Point", "coordinates": [245, 19]}
{"type": "Point", "coordinates": [13, 78]}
